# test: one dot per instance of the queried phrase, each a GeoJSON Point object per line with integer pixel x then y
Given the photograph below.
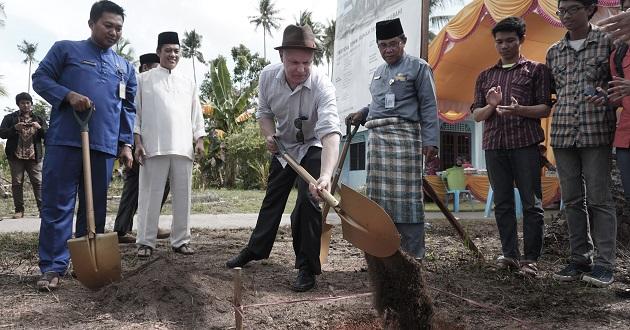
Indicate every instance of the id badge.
{"type": "Point", "coordinates": [122, 90]}
{"type": "Point", "coordinates": [390, 100]}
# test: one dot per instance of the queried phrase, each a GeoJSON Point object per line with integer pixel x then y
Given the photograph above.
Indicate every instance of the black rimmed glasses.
{"type": "Point", "coordinates": [568, 11]}
{"type": "Point", "coordinates": [299, 136]}
{"type": "Point", "coordinates": [388, 45]}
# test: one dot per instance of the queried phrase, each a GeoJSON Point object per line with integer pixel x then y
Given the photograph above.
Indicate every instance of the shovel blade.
{"type": "Point", "coordinates": [325, 242]}
{"type": "Point", "coordinates": [366, 225]}
{"type": "Point", "coordinates": [96, 261]}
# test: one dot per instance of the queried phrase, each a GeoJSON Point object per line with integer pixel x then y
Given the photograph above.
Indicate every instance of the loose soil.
{"type": "Point", "coordinates": [171, 291]}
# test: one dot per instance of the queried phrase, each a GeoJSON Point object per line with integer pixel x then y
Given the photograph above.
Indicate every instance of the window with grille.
{"type": "Point", "coordinates": [357, 156]}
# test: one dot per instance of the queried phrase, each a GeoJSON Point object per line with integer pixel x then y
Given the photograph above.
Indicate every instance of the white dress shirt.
{"type": "Point", "coordinates": [313, 99]}
{"type": "Point", "coordinates": [168, 116]}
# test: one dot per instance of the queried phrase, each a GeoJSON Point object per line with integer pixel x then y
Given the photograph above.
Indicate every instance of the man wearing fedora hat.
{"type": "Point", "coordinates": [296, 105]}
{"type": "Point", "coordinates": [129, 198]}
{"type": "Point", "coordinates": [401, 119]}
{"type": "Point", "coordinates": [169, 120]}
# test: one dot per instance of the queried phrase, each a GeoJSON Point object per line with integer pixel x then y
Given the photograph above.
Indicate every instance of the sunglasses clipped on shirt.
{"type": "Point", "coordinates": [299, 136]}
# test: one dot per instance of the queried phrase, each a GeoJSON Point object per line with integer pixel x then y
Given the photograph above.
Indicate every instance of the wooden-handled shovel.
{"type": "Point", "coordinates": [95, 257]}
{"type": "Point", "coordinates": [364, 223]}
{"type": "Point", "coordinates": [326, 227]}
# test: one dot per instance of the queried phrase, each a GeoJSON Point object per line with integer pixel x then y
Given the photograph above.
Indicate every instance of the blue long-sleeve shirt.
{"type": "Point", "coordinates": [85, 68]}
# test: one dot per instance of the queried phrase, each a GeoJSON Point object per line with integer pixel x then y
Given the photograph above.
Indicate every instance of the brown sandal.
{"type": "Point", "coordinates": [184, 249]}
{"type": "Point", "coordinates": [48, 281]}
{"type": "Point", "coordinates": [145, 251]}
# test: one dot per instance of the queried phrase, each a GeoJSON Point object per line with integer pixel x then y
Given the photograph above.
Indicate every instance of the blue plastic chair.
{"type": "Point", "coordinates": [517, 203]}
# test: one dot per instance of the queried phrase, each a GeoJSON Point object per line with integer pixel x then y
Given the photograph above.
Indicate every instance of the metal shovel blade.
{"type": "Point", "coordinates": [366, 225]}
{"type": "Point", "coordinates": [95, 257]}
{"type": "Point", "coordinates": [96, 261]}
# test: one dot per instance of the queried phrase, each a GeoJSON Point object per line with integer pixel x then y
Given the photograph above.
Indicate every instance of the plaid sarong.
{"type": "Point", "coordinates": [394, 169]}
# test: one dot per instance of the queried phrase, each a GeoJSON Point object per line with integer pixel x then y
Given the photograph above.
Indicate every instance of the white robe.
{"type": "Point", "coordinates": [169, 119]}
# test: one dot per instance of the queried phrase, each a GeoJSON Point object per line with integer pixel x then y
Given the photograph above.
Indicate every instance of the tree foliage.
{"type": "Point", "coordinates": [328, 44]}
{"type": "Point", "coordinates": [306, 18]}
{"type": "Point", "coordinates": [190, 49]}
{"type": "Point", "coordinates": [3, 15]}
{"type": "Point", "coordinates": [268, 19]}
{"type": "Point", "coordinates": [228, 110]}
{"type": "Point", "coordinates": [28, 49]}
{"type": "Point", "coordinates": [3, 90]}
{"type": "Point", "coordinates": [123, 49]}
{"type": "Point", "coordinates": [247, 66]}
{"type": "Point", "coordinates": [438, 21]}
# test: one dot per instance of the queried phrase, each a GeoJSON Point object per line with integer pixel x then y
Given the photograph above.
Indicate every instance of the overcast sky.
{"type": "Point", "coordinates": [223, 24]}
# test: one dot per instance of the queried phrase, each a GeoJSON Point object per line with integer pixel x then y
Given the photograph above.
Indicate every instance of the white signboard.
{"type": "Point", "coordinates": [356, 55]}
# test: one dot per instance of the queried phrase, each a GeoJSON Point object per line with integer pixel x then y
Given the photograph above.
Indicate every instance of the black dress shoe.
{"type": "Point", "coordinates": [241, 259]}
{"type": "Point", "coordinates": [304, 282]}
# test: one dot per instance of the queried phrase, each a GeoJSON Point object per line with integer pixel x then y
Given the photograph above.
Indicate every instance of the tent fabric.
{"type": "Point", "coordinates": [464, 47]}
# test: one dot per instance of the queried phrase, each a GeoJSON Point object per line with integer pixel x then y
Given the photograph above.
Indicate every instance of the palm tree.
{"type": "Point", "coordinates": [29, 50]}
{"type": "Point", "coordinates": [306, 18]}
{"type": "Point", "coordinates": [2, 14]}
{"type": "Point", "coordinates": [439, 20]}
{"type": "Point", "coordinates": [268, 19]}
{"type": "Point", "coordinates": [190, 49]}
{"type": "Point", "coordinates": [123, 49]}
{"type": "Point", "coordinates": [3, 90]}
{"type": "Point", "coordinates": [328, 44]}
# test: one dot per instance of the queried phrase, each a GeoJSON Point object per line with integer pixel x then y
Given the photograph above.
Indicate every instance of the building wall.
{"type": "Point", "coordinates": [356, 179]}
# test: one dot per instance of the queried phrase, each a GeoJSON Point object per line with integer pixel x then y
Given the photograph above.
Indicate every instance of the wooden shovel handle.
{"type": "Point", "coordinates": [87, 185]}
{"type": "Point", "coordinates": [327, 196]}
{"type": "Point", "coordinates": [282, 150]}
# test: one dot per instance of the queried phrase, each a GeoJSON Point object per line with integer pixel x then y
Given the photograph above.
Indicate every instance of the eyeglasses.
{"type": "Point", "coordinates": [299, 136]}
{"type": "Point", "coordinates": [569, 11]}
{"type": "Point", "coordinates": [386, 45]}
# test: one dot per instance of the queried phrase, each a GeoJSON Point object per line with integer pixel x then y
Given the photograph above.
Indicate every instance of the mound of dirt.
{"type": "Point", "coordinates": [163, 290]}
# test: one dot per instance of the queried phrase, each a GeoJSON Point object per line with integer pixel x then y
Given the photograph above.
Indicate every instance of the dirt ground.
{"type": "Point", "coordinates": [171, 291]}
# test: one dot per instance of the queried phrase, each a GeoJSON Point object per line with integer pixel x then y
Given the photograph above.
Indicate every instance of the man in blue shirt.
{"type": "Point", "coordinates": [74, 76]}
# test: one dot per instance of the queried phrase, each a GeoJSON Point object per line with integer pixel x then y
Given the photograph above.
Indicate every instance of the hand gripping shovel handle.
{"type": "Point", "coordinates": [328, 197]}
{"type": "Point", "coordinates": [87, 169]}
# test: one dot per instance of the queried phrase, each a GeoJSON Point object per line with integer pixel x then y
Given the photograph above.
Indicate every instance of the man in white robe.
{"type": "Point", "coordinates": [164, 146]}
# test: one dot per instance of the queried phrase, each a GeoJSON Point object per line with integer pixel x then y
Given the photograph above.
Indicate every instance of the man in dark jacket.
{"type": "Point", "coordinates": [24, 132]}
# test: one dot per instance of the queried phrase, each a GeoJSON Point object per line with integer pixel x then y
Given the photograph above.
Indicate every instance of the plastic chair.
{"type": "Point", "coordinates": [456, 194]}
{"type": "Point", "coordinates": [517, 203]}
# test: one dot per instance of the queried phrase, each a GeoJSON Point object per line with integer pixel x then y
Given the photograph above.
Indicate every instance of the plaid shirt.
{"type": "Point", "coordinates": [577, 123]}
{"type": "Point", "coordinates": [527, 81]}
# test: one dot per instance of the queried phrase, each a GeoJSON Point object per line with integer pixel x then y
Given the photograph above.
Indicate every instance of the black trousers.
{"type": "Point", "coordinates": [306, 218]}
{"type": "Point", "coordinates": [520, 167]}
{"type": "Point", "coordinates": [129, 200]}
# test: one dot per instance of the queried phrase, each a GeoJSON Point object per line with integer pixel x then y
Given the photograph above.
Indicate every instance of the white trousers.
{"type": "Point", "coordinates": [152, 180]}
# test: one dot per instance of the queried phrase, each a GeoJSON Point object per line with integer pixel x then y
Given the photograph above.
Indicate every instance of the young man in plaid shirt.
{"type": "Point", "coordinates": [510, 98]}
{"type": "Point", "coordinates": [582, 135]}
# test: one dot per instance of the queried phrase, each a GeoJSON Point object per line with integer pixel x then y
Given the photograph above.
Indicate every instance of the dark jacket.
{"type": "Point", "coordinates": [8, 131]}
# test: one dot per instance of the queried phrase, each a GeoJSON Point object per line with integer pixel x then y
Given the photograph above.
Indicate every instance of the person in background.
{"type": "Point", "coordinates": [129, 197]}
{"type": "Point", "coordinates": [168, 123]}
{"type": "Point", "coordinates": [401, 120]}
{"type": "Point", "coordinates": [510, 99]}
{"type": "Point", "coordinates": [581, 136]}
{"type": "Point", "coordinates": [25, 132]}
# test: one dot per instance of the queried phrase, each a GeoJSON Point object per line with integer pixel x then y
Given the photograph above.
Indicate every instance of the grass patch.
{"type": "Point", "coordinates": [18, 251]}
